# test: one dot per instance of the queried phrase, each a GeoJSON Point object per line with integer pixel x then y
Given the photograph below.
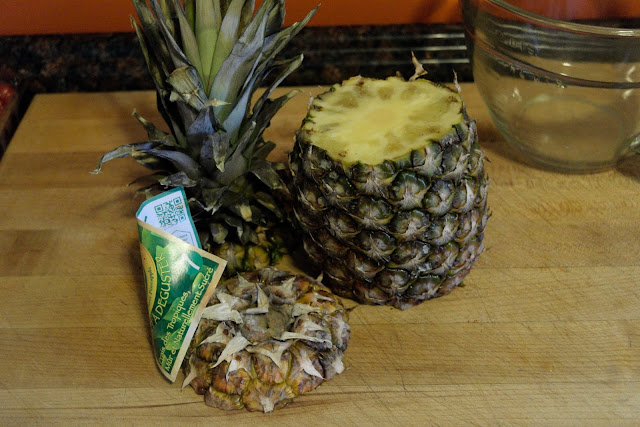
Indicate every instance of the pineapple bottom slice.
{"type": "Point", "coordinates": [265, 338]}
{"type": "Point", "coordinates": [390, 189]}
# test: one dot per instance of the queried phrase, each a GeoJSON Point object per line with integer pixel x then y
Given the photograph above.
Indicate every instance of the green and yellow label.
{"type": "Point", "coordinates": [180, 279]}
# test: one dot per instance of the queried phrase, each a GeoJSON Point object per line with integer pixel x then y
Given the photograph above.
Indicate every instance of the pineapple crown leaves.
{"type": "Point", "coordinates": [217, 58]}
{"type": "Point", "coordinates": [207, 58]}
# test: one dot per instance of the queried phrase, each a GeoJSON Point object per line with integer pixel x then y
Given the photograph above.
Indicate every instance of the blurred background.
{"type": "Point", "coordinates": [88, 45]}
{"type": "Point", "coordinates": [67, 45]}
{"type": "Point", "coordinates": [82, 16]}
{"type": "Point", "coordinates": [53, 46]}
{"type": "Point", "coordinates": [50, 46]}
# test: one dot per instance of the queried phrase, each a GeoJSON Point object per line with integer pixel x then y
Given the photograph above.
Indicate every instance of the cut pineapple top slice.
{"type": "Point", "coordinates": [370, 121]}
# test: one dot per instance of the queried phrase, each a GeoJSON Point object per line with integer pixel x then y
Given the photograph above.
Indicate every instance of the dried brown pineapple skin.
{"type": "Point", "coordinates": [290, 332]}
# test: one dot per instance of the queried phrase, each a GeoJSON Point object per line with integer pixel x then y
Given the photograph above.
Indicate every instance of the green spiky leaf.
{"type": "Point", "coordinates": [230, 30]}
{"type": "Point", "coordinates": [190, 11]}
{"type": "Point", "coordinates": [154, 177]}
{"type": "Point", "coordinates": [238, 161]}
{"type": "Point", "coordinates": [205, 124]}
{"type": "Point", "coordinates": [212, 198]}
{"type": "Point", "coordinates": [125, 151]}
{"type": "Point", "coordinates": [178, 57]}
{"type": "Point", "coordinates": [218, 232]}
{"type": "Point", "coordinates": [153, 36]}
{"type": "Point", "coordinates": [180, 179]}
{"type": "Point", "coordinates": [180, 160]}
{"type": "Point", "coordinates": [207, 25]}
{"type": "Point", "coordinates": [236, 68]}
{"type": "Point", "coordinates": [263, 150]}
{"type": "Point", "coordinates": [264, 171]}
{"type": "Point", "coordinates": [214, 151]}
{"type": "Point", "coordinates": [155, 133]}
{"type": "Point", "coordinates": [268, 202]}
{"type": "Point", "coordinates": [154, 66]}
{"type": "Point", "coordinates": [168, 12]}
{"type": "Point", "coordinates": [184, 88]}
{"type": "Point", "coordinates": [277, 41]}
{"type": "Point", "coordinates": [189, 43]}
{"type": "Point", "coordinates": [268, 110]}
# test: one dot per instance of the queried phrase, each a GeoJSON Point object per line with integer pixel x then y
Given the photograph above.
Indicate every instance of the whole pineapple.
{"type": "Point", "coordinates": [265, 338]}
{"type": "Point", "coordinates": [207, 58]}
{"type": "Point", "coordinates": [391, 189]}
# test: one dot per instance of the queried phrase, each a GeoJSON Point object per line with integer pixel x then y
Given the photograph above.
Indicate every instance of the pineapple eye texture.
{"type": "Point", "coordinates": [386, 121]}
{"type": "Point", "coordinates": [400, 173]}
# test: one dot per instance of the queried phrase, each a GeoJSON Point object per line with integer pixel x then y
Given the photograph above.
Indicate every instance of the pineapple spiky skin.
{"type": "Point", "coordinates": [407, 226]}
{"type": "Point", "coordinates": [207, 58]}
{"type": "Point", "coordinates": [266, 338]}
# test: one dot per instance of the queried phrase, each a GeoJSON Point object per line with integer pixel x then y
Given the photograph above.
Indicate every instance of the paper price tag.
{"type": "Point", "coordinates": [179, 276]}
{"type": "Point", "coordinates": [169, 211]}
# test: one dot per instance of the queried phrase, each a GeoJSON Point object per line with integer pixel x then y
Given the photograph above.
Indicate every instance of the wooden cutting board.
{"type": "Point", "coordinates": [546, 329]}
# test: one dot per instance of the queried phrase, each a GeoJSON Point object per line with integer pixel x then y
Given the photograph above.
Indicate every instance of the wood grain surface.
{"type": "Point", "coordinates": [546, 329]}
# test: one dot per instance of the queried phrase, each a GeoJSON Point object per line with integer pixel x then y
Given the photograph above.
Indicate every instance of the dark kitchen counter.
{"type": "Point", "coordinates": [113, 62]}
{"type": "Point", "coordinates": [106, 62]}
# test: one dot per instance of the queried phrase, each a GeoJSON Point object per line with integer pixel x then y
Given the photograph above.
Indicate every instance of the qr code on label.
{"type": "Point", "coordinates": [171, 212]}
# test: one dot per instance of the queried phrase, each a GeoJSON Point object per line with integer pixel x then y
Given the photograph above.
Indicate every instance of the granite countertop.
{"type": "Point", "coordinates": [113, 62]}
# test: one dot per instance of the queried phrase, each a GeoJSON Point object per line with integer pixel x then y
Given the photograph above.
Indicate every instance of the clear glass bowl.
{"type": "Point", "coordinates": [561, 78]}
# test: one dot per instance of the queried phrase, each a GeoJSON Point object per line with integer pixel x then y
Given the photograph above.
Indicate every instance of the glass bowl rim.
{"type": "Point", "coordinates": [566, 25]}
